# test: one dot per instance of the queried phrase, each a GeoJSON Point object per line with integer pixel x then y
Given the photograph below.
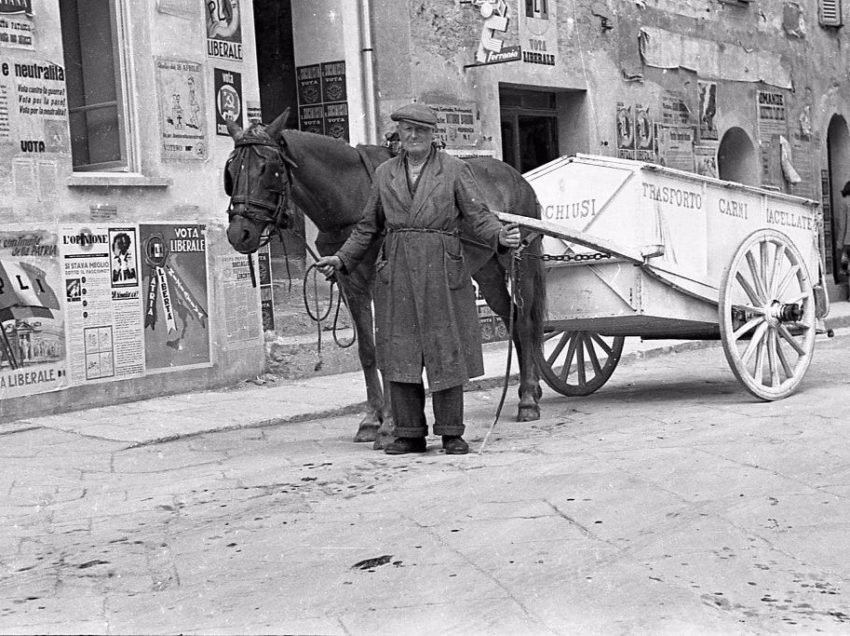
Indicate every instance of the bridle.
{"type": "Point", "coordinates": [262, 211]}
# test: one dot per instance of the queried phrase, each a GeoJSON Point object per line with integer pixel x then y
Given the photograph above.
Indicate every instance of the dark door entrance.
{"type": "Point", "coordinates": [278, 91]}
{"type": "Point", "coordinates": [529, 128]}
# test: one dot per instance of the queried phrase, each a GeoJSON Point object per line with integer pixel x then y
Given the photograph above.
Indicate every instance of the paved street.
{"type": "Point", "coordinates": [670, 502]}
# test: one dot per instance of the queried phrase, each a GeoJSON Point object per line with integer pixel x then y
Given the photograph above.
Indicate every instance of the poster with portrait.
{"type": "Point", "coordinates": [707, 110]}
{"type": "Point", "coordinates": [625, 131]}
{"type": "Point", "coordinates": [644, 134]}
{"type": "Point", "coordinates": [124, 262]}
{"type": "Point", "coordinates": [182, 114]}
{"type": "Point", "coordinates": [705, 160]}
{"type": "Point", "coordinates": [176, 297]}
{"type": "Point", "coordinates": [32, 323]}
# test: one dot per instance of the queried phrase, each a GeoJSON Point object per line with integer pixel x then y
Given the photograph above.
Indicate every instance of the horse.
{"type": "Point", "coordinates": [272, 166]}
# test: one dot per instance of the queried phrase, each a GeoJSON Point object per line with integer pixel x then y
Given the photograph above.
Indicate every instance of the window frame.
{"type": "Point", "coordinates": [123, 78]}
{"type": "Point", "coordinates": [836, 10]}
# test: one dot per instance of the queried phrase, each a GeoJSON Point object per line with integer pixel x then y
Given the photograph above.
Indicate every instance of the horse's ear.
{"type": "Point", "coordinates": [235, 130]}
{"type": "Point", "coordinates": [278, 125]}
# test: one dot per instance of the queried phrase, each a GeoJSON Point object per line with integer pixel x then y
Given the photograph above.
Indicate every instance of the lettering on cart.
{"type": "Point", "coordinates": [675, 196]}
{"type": "Point", "coordinates": [578, 210]}
{"type": "Point", "coordinates": [733, 208]}
{"type": "Point", "coordinates": [790, 219]}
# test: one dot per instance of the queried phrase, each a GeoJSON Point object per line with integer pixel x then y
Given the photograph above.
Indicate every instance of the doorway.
{"type": "Point", "coordinates": [838, 173]}
{"type": "Point", "coordinates": [278, 91]}
{"type": "Point", "coordinates": [737, 159]}
{"type": "Point", "coordinates": [529, 127]}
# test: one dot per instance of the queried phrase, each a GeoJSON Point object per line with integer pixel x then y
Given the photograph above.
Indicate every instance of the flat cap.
{"type": "Point", "coordinates": [416, 113]}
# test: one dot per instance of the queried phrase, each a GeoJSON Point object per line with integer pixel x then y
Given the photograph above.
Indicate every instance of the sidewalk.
{"type": "Point", "coordinates": [250, 405]}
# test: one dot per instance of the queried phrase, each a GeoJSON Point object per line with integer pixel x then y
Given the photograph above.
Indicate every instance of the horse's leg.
{"type": "Point", "coordinates": [490, 279]}
{"type": "Point", "coordinates": [359, 300]}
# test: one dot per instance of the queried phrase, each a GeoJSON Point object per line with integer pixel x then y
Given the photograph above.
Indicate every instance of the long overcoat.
{"type": "Point", "coordinates": [425, 310]}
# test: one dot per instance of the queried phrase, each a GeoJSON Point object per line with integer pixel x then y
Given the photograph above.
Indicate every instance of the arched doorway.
{"type": "Point", "coordinates": [737, 159]}
{"type": "Point", "coordinates": [838, 158]}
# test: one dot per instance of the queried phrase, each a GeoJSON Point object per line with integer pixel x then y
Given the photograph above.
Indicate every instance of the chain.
{"type": "Point", "coordinates": [578, 258]}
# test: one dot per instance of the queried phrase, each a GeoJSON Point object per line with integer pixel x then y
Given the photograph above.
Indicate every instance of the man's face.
{"type": "Point", "coordinates": [415, 139]}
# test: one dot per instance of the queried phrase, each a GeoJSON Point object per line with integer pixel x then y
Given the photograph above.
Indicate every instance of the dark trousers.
{"type": "Point", "coordinates": [408, 402]}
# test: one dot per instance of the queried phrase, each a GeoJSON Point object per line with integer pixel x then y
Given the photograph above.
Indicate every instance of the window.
{"type": "Point", "coordinates": [93, 71]}
{"type": "Point", "coordinates": [537, 9]}
{"type": "Point", "coordinates": [830, 13]}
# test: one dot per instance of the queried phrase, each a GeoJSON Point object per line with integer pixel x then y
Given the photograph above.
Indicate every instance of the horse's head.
{"type": "Point", "coordinates": [257, 180]}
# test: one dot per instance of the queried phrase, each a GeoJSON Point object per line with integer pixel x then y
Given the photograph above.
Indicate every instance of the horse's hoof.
{"type": "Point", "coordinates": [528, 414]}
{"type": "Point", "coordinates": [382, 441]}
{"type": "Point", "coordinates": [366, 433]}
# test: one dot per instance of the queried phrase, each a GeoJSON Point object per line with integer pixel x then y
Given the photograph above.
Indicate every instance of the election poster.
{"type": "Point", "coordinates": [103, 303]}
{"type": "Point", "coordinates": [16, 24]}
{"type": "Point", "coordinates": [228, 99]}
{"type": "Point", "coordinates": [32, 324]}
{"type": "Point", "coordinates": [224, 29]}
{"type": "Point", "coordinates": [176, 297]}
{"type": "Point", "coordinates": [180, 89]}
{"type": "Point", "coordinates": [322, 99]}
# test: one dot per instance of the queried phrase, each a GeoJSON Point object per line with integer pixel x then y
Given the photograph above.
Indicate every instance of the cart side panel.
{"type": "Point", "coordinates": [575, 194]}
{"type": "Point", "coordinates": [626, 299]}
{"type": "Point", "coordinates": [734, 213]}
{"type": "Point", "coordinates": [678, 221]}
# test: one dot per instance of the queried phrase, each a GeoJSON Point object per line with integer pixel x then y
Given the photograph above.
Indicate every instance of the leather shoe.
{"type": "Point", "coordinates": [455, 445]}
{"type": "Point", "coordinates": [403, 445]}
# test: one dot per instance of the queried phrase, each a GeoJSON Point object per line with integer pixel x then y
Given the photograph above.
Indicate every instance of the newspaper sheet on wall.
{"type": "Point", "coordinates": [103, 302]}
{"type": "Point", "coordinates": [241, 304]}
{"type": "Point", "coordinates": [176, 298]}
{"type": "Point", "coordinates": [32, 323]}
{"type": "Point", "coordinates": [772, 119]}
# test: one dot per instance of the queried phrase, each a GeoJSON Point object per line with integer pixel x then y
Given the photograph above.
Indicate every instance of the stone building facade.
{"type": "Point", "coordinates": [118, 281]}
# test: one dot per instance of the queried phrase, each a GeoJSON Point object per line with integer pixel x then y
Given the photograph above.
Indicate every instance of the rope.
{"type": "Point", "coordinates": [315, 314]}
{"type": "Point", "coordinates": [515, 290]}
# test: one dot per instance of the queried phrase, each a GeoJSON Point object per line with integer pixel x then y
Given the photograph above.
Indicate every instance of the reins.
{"type": "Point", "coordinates": [260, 212]}
{"type": "Point", "coordinates": [513, 278]}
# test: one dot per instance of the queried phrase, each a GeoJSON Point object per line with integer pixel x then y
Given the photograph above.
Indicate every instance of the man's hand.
{"type": "Point", "coordinates": [509, 235]}
{"type": "Point", "coordinates": [328, 265]}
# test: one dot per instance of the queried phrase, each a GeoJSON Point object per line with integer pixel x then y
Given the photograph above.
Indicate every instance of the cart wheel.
{"type": "Point", "coordinates": [767, 315]}
{"type": "Point", "coordinates": [580, 363]}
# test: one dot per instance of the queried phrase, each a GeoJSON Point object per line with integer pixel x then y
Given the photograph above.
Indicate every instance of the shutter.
{"type": "Point", "coordinates": [830, 13]}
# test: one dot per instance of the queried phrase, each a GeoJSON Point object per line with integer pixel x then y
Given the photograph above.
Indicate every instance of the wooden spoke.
{"type": "Point", "coordinates": [580, 362]}
{"type": "Point", "coordinates": [790, 339]}
{"type": "Point", "coordinates": [748, 289]}
{"type": "Point", "coordinates": [787, 281]}
{"type": "Point", "coordinates": [778, 255]}
{"type": "Point", "coordinates": [758, 281]}
{"type": "Point", "coordinates": [748, 326]}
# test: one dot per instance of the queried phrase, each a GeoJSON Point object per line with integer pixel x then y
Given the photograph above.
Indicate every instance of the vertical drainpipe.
{"type": "Point", "coordinates": [368, 76]}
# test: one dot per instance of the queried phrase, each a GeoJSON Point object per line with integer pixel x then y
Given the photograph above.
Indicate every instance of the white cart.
{"type": "Point", "coordinates": [635, 249]}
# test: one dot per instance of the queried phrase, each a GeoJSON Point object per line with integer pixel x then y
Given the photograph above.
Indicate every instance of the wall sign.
{"type": "Point", "coordinates": [16, 24]}
{"type": "Point", "coordinates": [174, 280]}
{"type": "Point", "coordinates": [493, 46]}
{"type": "Point", "coordinates": [228, 99]}
{"type": "Point", "coordinates": [538, 32]}
{"type": "Point", "coordinates": [180, 89]}
{"type": "Point", "coordinates": [322, 99]}
{"type": "Point", "coordinates": [32, 323]}
{"type": "Point", "coordinates": [224, 29]}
